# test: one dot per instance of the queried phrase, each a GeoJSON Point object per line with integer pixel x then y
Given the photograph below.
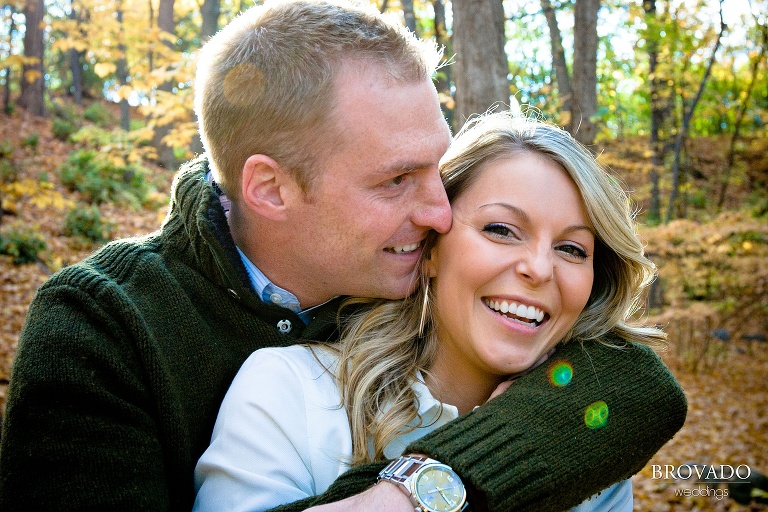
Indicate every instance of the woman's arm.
{"type": "Point", "coordinates": [280, 435]}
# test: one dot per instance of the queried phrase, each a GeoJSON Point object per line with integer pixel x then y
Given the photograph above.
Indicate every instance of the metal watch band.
{"type": "Point", "coordinates": [401, 468]}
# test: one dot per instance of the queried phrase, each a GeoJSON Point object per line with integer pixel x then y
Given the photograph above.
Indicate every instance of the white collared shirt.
{"type": "Point", "coordinates": [282, 435]}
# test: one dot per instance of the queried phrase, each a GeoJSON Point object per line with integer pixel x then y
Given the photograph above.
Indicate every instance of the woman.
{"type": "Point", "coordinates": [542, 251]}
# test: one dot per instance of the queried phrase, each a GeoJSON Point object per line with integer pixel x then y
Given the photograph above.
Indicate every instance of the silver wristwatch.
{"type": "Point", "coordinates": [431, 485]}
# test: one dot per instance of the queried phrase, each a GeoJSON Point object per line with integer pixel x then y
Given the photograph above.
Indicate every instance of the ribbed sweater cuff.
{"type": "Point", "coordinates": [353, 482]}
{"type": "Point", "coordinates": [536, 446]}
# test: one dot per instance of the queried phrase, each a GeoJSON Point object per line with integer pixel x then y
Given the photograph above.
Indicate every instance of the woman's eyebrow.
{"type": "Point", "coordinates": [514, 209]}
{"type": "Point", "coordinates": [523, 215]}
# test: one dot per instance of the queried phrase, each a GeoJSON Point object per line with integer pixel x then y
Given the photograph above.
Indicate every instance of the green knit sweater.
{"type": "Point", "coordinates": [125, 358]}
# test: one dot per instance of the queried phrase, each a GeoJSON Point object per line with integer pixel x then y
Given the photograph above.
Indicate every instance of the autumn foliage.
{"type": "Point", "coordinates": [680, 119]}
{"type": "Point", "coordinates": [711, 294]}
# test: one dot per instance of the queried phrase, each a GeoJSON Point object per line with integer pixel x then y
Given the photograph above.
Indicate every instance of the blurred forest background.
{"type": "Point", "coordinates": [672, 96]}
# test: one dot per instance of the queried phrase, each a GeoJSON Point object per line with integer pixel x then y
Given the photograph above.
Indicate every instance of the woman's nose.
{"type": "Point", "coordinates": [536, 264]}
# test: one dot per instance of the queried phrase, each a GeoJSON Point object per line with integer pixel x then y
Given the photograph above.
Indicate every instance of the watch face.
{"type": "Point", "coordinates": [439, 489]}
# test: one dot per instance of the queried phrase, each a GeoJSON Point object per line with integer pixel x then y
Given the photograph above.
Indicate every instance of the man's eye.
{"type": "Point", "coordinates": [396, 181]}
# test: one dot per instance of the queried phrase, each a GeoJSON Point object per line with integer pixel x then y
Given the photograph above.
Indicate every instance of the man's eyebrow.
{"type": "Point", "coordinates": [403, 167]}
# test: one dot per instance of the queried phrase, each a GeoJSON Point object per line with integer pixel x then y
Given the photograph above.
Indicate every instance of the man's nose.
{"type": "Point", "coordinates": [434, 210]}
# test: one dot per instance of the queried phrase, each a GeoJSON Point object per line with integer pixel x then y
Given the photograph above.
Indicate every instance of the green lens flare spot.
{"type": "Point", "coordinates": [596, 415]}
{"type": "Point", "coordinates": [560, 373]}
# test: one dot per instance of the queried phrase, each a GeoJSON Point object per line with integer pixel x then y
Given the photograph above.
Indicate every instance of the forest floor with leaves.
{"type": "Point", "coordinates": [724, 263]}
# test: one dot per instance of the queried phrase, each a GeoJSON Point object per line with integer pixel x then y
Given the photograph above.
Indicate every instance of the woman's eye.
{"type": "Point", "coordinates": [573, 251]}
{"type": "Point", "coordinates": [498, 230]}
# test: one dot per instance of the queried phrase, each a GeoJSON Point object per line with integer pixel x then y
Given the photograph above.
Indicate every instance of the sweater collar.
{"type": "Point", "coordinates": [197, 225]}
{"type": "Point", "coordinates": [197, 220]}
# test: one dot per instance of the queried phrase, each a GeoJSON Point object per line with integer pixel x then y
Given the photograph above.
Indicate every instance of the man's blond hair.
{"type": "Point", "coordinates": [265, 82]}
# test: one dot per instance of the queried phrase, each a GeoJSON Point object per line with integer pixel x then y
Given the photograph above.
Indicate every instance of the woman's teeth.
{"type": "Point", "coordinates": [523, 312]}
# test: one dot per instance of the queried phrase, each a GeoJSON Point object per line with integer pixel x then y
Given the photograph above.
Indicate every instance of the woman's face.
{"type": "Point", "coordinates": [515, 270]}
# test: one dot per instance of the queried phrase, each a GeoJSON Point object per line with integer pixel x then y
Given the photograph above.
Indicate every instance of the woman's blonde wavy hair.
{"type": "Point", "coordinates": [382, 345]}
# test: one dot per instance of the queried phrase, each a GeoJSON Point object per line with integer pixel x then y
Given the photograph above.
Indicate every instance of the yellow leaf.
{"type": "Point", "coordinates": [124, 92]}
{"type": "Point", "coordinates": [32, 75]}
{"type": "Point", "coordinates": [13, 60]}
{"type": "Point", "coordinates": [62, 45]}
{"type": "Point", "coordinates": [102, 69]}
{"type": "Point", "coordinates": [9, 206]}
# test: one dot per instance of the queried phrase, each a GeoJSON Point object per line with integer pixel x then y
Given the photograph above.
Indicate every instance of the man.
{"type": "Point", "coordinates": [323, 132]}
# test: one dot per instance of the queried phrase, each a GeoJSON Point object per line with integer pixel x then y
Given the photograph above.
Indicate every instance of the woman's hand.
{"type": "Point", "coordinates": [500, 389]}
{"type": "Point", "coordinates": [505, 385]}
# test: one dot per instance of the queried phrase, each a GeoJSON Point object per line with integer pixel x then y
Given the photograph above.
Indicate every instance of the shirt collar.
{"type": "Point", "coordinates": [265, 289]}
{"type": "Point", "coordinates": [432, 414]}
{"type": "Point", "coordinates": [270, 292]}
{"type": "Point", "coordinates": [429, 406]}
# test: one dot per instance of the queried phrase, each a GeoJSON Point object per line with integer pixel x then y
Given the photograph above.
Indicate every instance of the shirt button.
{"type": "Point", "coordinates": [284, 326]}
{"type": "Point", "coordinates": [276, 298]}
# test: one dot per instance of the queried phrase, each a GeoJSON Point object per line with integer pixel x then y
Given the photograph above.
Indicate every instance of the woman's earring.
{"type": "Point", "coordinates": [424, 309]}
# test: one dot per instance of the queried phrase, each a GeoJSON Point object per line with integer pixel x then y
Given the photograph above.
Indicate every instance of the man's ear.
{"type": "Point", "coordinates": [264, 187]}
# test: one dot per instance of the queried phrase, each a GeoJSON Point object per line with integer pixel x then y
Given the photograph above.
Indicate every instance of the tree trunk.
{"type": "Point", "coordinates": [585, 69]}
{"type": "Point", "coordinates": [444, 75]}
{"type": "Point", "coordinates": [657, 115]}
{"type": "Point", "coordinates": [742, 112]}
{"type": "Point", "coordinates": [32, 80]}
{"type": "Point", "coordinates": [76, 68]}
{"type": "Point", "coordinates": [560, 67]}
{"type": "Point", "coordinates": [481, 69]}
{"type": "Point", "coordinates": [75, 64]}
{"type": "Point", "coordinates": [165, 155]}
{"type": "Point", "coordinates": [122, 71]}
{"type": "Point", "coordinates": [210, 11]}
{"type": "Point", "coordinates": [410, 16]}
{"type": "Point", "coordinates": [151, 24]}
{"type": "Point", "coordinates": [165, 19]}
{"type": "Point", "coordinates": [687, 116]}
{"type": "Point", "coordinates": [7, 108]}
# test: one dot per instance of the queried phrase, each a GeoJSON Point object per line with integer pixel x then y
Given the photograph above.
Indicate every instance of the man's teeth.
{"type": "Point", "coordinates": [405, 248]}
{"type": "Point", "coordinates": [519, 310]}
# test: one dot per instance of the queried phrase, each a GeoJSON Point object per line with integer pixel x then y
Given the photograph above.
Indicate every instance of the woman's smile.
{"type": "Point", "coordinates": [519, 311]}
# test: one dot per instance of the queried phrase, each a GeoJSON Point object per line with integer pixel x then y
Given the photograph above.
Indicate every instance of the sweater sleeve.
{"type": "Point", "coordinates": [589, 417]}
{"type": "Point", "coordinates": [78, 431]}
